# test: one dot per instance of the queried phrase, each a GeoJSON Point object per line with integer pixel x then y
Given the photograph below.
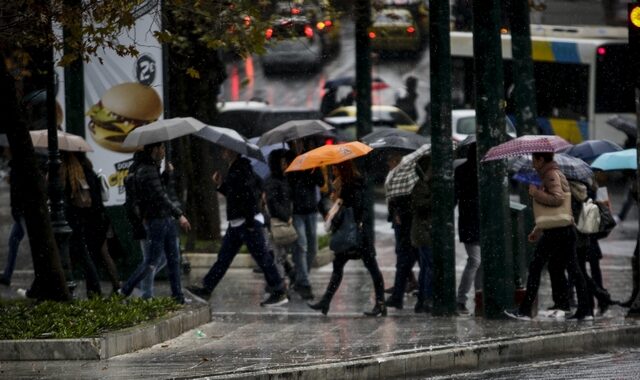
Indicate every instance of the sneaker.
{"type": "Point", "coordinates": [516, 314]}
{"type": "Point", "coordinates": [199, 292]}
{"type": "Point", "coordinates": [190, 297]}
{"type": "Point", "coordinates": [580, 316]}
{"type": "Point", "coordinates": [305, 292]}
{"type": "Point", "coordinates": [275, 299]}
{"type": "Point", "coordinates": [462, 309]}
{"type": "Point", "coordinates": [566, 309]}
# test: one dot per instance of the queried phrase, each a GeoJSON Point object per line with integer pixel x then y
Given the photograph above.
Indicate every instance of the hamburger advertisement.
{"type": "Point", "coordinates": [123, 93]}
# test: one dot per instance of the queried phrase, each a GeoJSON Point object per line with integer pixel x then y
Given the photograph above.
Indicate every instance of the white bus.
{"type": "Point", "coordinates": [581, 79]}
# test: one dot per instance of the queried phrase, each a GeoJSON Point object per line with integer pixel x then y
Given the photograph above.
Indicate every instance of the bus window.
{"type": "Point", "coordinates": [562, 90]}
{"type": "Point", "coordinates": [614, 89]}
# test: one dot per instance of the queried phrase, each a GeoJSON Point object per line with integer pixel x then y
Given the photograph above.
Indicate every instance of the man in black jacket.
{"type": "Point", "coordinates": [243, 189]}
{"type": "Point", "coordinates": [158, 213]}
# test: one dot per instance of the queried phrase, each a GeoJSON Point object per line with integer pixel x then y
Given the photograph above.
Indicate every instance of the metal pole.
{"type": "Point", "coordinates": [61, 229]}
{"type": "Point", "coordinates": [444, 276]}
{"type": "Point", "coordinates": [497, 267]}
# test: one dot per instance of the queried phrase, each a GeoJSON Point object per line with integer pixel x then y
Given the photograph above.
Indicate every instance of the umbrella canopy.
{"type": "Point", "coordinates": [66, 141]}
{"type": "Point", "coordinates": [525, 145]}
{"type": "Point", "coordinates": [394, 138]}
{"type": "Point", "coordinates": [329, 155]}
{"type": "Point", "coordinates": [572, 167]}
{"type": "Point", "coordinates": [402, 179]}
{"type": "Point", "coordinates": [230, 139]}
{"type": "Point", "coordinates": [624, 125]}
{"type": "Point", "coordinates": [528, 178]}
{"type": "Point", "coordinates": [622, 160]}
{"type": "Point", "coordinates": [162, 130]}
{"type": "Point", "coordinates": [292, 130]}
{"type": "Point", "coordinates": [590, 150]}
{"type": "Point", "coordinates": [376, 83]}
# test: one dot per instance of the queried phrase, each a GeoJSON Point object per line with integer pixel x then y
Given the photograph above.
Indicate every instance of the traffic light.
{"type": "Point", "coordinates": [633, 23]}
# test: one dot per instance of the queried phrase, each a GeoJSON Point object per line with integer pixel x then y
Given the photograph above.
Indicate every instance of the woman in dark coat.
{"type": "Point", "coordinates": [349, 186]}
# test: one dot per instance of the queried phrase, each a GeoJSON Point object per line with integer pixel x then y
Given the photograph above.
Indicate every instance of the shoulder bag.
{"type": "Point", "coordinates": [344, 231]}
{"type": "Point", "coordinates": [553, 217]}
{"type": "Point", "coordinates": [589, 218]}
{"type": "Point", "coordinates": [282, 232]}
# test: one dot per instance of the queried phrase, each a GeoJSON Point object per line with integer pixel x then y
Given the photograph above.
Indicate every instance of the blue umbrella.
{"type": "Point", "coordinates": [528, 177]}
{"type": "Point", "coordinates": [622, 160]}
{"type": "Point", "coordinates": [590, 150]}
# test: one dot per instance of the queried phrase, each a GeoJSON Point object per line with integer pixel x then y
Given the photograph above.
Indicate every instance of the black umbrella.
{"type": "Point", "coordinates": [293, 130]}
{"type": "Point", "coordinates": [624, 125]}
{"type": "Point", "coordinates": [394, 138]}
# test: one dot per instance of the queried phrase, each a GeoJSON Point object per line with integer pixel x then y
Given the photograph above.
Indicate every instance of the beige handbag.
{"type": "Point", "coordinates": [282, 232]}
{"type": "Point", "coordinates": [553, 217]}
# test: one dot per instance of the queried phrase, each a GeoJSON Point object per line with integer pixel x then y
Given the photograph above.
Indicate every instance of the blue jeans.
{"type": "Point", "coordinates": [162, 235]}
{"type": "Point", "coordinates": [425, 278]}
{"type": "Point", "coordinates": [306, 246]}
{"type": "Point", "coordinates": [146, 285]}
{"type": "Point", "coordinates": [406, 256]}
{"type": "Point", "coordinates": [16, 236]}
{"type": "Point", "coordinates": [231, 243]}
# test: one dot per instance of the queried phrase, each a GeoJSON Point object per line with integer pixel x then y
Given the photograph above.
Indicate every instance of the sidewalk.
{"type": "Point", "coordinates": [246, 340]}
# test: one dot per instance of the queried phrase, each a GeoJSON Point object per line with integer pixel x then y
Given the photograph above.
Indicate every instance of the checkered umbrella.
{"type": "Point", "coordinates": [402, 179]}
{"type": "Point", "coordinates": [526, 145]}
{"type": "Point", "coordinates": [572, 167]}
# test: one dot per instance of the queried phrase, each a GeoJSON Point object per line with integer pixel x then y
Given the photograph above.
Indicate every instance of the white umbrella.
{"type": "Point", "coordinates": [230, 139]}
{"type": "Point", "coordinates": [162, 130]}
{"type": "Point", "coordinates": [66, 141]}
{"type": "Point", "coordinates": [293, 130]}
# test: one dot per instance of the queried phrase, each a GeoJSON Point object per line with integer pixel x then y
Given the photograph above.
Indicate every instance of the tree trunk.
{"type": "Point", "coordinates": [49, 282]}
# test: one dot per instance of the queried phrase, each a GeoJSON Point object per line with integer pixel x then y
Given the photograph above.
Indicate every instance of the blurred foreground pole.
{"type": "Point", "coordinates": [524, 97]}
{"type": "Point", "coordinates": [444, 265]}
{"type": "Point", "coordinates": [497, 266]}
{"type": "Point", "coordinates": [362, 10]}
{"type": "Point", "coordinates": [633, 24]}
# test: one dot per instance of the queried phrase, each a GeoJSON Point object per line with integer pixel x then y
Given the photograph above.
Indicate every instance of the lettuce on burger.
{"type": "Point", "coordinates": [123, 108]}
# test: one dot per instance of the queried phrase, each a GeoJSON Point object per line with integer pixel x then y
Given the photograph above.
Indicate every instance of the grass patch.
{"type": "Point", "coordinates": [323, 241]}
{"type": "Point", "coordinates": [26, 319]}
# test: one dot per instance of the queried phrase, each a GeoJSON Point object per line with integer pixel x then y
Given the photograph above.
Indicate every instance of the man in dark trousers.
{"type": "Point", "coordinates": [242, 188]}
{"type": "Point", "coordinates": [158, 213]}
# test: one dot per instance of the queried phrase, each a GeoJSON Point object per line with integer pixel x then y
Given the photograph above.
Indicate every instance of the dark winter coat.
{"type": "Point", "coordinates": [466, 194]}
{"type": "Point", "coordinates": [352, 195]}
{"type": "Point", "coordinates": [278, 197]}
{"type": "Point", "coordinates": [422, 213]}
{"type": "Point", "coordinates": [304, 196]}
{"type": "Point", "coordinates": [242, 188]}
{"type": "Point", "coordinates": [151, 192]}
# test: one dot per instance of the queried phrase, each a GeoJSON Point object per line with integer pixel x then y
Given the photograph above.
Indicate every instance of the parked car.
{"type": "Point", "coordinates": [419, 10]}
{"type": "Point", "coordinates": [389, 114]}
{"type": "Point", "coordinates": [395, 30]}
{"type": "Point", "coordinates": [292, 44]}
{"type": "Point", "coordinates": [252, 119]}
{"type": "Point", "coordinates": [463, 124]}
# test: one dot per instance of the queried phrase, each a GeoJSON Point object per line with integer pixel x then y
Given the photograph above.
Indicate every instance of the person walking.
{"type": "Point", "coordinates": [305, 220]}
{"type": "Point", "coordinates": [559, 242]}
{"type": "Point", "coordinates": [407, 101]}
{"type": "Point", "coordinates": [158, 213]}
{"type": "Point", "coordinates": [279, 206]}
{"type": "Point", "coordinates": [467, 198]}
{"type": "Point", "coordinates": [18, 229]}
{"type": "Point", "coordinates": [349, 188]}
{"type": "Point", "coordinates": [400, 216]}
{"type": "Point", "coordinates": [421, 200]}
{"type": "Point", "coordinates": [243, 190]}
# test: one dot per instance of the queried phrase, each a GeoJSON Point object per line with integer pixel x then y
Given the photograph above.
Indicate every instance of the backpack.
{"type": "Point", "coordinates": [589, 218]}
{"type": "Point", "coordinates": [607, 223]}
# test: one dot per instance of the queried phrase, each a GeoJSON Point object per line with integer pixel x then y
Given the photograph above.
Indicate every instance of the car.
{"type": "Point", "coordinates": [292, 45]}
{"type": "Point", "coordinates": [322, 17]}
{"type": "Point", "coordinates": [252, 119]}
{"type": "Point", "coordinates": [381, 113]}
{"type": "Point", "coordinates": [395, 30]}
{"type": "Point", "coordinates": [418, 8]}
{"type": "Point", "coordinates": [463, 124]}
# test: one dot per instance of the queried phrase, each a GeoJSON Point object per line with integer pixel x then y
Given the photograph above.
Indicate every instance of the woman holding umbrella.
{"type": "Point", "coordinates": [349, 187]}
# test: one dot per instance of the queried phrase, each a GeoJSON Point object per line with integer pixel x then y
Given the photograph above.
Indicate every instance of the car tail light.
{"type": "Point", "coordinates": [247, 21]}
{"type": "Point", "coordinates": [329, 141]}
{"type": "Point", "coordinates": [328, 23]}
{"type": "Point", "coordinates": [296, 11]}
{"type": "Point", "coordinates": [308, 31]}
{"type": "Point", "coordinates": [269, 33]}
{"type": "Point", "coordinates": [372, 35]}
{"type": "Point", "coordinates": [321, 25]}
{"type": "Point", "coordinates": [602, 51]}
{"type": "Point", "coordinates": [411, 30]}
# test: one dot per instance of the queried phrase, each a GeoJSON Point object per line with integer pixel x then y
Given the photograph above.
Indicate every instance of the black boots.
{"type": "Point", "coordinates": [378, 309]}
{"type": "Point", "coordinates": [322, 305]}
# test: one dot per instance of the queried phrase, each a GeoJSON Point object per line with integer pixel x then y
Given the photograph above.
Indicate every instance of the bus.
{"type": "Point", "coordinates": [581, 79]}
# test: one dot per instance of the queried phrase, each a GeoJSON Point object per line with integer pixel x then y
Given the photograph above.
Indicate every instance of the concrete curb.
{"type": "Point", "coordinates": [200, 261]}
{"type": "Point", "coordinates": [450, 359]}
{"type": "Point", "coordinates": [110, 344]}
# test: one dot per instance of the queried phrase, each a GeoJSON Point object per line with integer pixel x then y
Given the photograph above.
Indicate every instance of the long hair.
{"type": "Point", "coordinates": [71, 172]}
{"type": "Point", "coordinates": [347, 173]}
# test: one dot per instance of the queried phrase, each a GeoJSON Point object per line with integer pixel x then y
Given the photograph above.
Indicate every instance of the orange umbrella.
{"type": "Point", "coordinates": [329, 155]}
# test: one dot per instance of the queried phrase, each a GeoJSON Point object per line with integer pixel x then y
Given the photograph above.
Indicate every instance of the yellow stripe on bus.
{"type": "Point", "coordinates": [567, 129]}
{"type": "Point", "coordinates": [542, 51]}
